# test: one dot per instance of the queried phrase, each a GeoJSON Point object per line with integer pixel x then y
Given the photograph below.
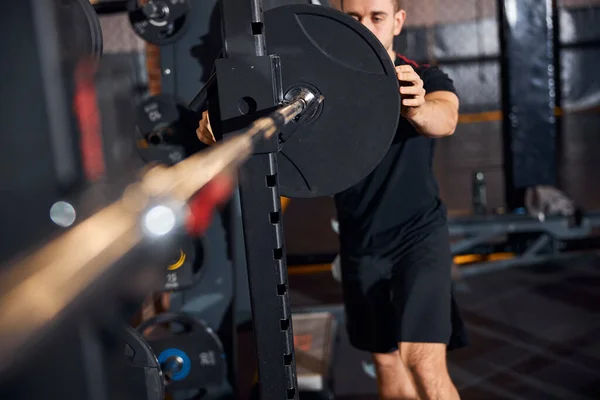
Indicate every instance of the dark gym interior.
{"type": "Point", "coordinates": [112, 240]}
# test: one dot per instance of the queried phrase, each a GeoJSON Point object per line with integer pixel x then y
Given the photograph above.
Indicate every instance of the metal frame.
{"type": "Point", "coordinates": [552, 231]}
{"type": "Point", "coordinates": [244, 45]}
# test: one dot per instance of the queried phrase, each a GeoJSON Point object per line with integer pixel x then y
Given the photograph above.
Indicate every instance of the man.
{"type": "Point", "coordinates": [394, 244]}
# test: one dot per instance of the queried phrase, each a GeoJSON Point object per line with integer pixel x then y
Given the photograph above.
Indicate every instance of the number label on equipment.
{"type": "Point", "coordinates": [154, 115]}
{"type": "Point", "coordinates": [208, 358]}
{"type": "Point", "coordinates": [172, 281]}
{"type": "Point", "coordinates": [153, 112]}
{"type": "Point", "coordinates": [141, 25]}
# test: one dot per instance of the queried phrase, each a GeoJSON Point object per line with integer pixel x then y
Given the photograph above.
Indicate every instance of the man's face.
{"type": "Point", "coordinates": [379, 16]}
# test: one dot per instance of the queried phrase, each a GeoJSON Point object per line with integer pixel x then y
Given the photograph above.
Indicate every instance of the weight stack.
{"type": "Point", "coordinates": [529, 122]}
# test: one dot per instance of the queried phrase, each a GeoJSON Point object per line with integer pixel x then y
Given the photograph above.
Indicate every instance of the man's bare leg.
{"type": "Point", "coordinates": [427, 366]}
{"type": "Point", "coordinates": [393, 379]}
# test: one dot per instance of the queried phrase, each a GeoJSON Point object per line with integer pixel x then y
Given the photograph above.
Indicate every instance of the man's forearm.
{"type": "Point", "coordinates": [436, 118]}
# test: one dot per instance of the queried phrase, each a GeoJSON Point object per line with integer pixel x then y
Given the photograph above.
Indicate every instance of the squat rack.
{"type": "Point", "coordinates": [245, 50]}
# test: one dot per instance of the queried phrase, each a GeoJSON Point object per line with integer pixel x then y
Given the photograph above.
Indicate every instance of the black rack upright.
{"type": "Point", "coordinates": [248, 80]}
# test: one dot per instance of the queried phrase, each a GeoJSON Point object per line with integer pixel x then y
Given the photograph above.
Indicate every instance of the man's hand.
{"type": "Point", "coordinates": [204, 131]}
{"type": "Point", "coordinates": [432, 114]}
{"type": "Point", "coordinates": [411, 90]}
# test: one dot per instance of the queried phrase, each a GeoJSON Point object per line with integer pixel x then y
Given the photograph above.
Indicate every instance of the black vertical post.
{"type": "Point", "coordinates": [243, 28]}
{"type": "Point", "coordinates": [245, 55]}
{"type": "Point", "coordinates": [528, 95]}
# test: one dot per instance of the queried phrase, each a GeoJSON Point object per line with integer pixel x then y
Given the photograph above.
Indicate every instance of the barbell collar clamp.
{"type": "Point", "coordinates": [300, 93]}
{"type": "Point", "coordinates": [310, 105]}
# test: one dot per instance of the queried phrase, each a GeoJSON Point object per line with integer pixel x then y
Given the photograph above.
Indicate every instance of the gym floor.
{"type": "Point", "coordinates": [534, 332]}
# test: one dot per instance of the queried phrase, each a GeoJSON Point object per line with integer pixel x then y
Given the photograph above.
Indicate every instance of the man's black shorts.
{"type": "Point", "coordinates": [402, 294]}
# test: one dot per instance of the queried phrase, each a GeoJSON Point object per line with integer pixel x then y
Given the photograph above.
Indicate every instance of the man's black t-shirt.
{"type": "Point", "coordinates": [401, 195]}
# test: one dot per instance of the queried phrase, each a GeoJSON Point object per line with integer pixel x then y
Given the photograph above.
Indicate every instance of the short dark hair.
{"type": "Point", "coordinates": [397, 5]}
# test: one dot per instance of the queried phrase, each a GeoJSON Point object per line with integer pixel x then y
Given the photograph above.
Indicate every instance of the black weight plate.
{"type": "Point", "coordinates": [346, 63]}
{"type": "Point", "coordinates": [200, 350]}
{"type": "Point", "coordinates": [79, 26]}
{"type": "Point", "coordinates": [204, 365]}
{"type": "Point", "coordinates": [164, 30]}
{"type": "Point", "coordinates": [140, 372]}
{"type": "Point", "coordinates": [95, 28]}
{"type": "Point", "coordinates": [165, 130]}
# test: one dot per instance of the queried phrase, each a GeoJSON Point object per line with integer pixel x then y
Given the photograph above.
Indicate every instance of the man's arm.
{"type": "Point", "coordinates": [428, 102]}
{"type": "Point", "coordinates": [438, 116]}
